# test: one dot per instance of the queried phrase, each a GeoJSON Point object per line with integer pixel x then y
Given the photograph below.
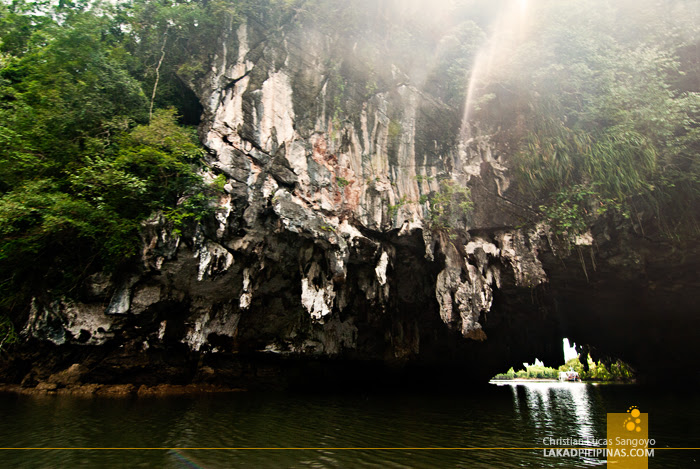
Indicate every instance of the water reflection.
{"type": "Point", "coordinates": [558, 410]}
{"type": "Point", "coordinates": [579, 396]}
{"type": "Point", "coordinates": [509, 415]}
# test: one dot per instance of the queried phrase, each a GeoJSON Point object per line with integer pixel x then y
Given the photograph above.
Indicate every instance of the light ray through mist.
{"type": "Point", "coordinates": [509, 29]}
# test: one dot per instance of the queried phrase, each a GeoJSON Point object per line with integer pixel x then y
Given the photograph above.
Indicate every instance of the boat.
{"type": "Point", "coordinates": [570, 375]}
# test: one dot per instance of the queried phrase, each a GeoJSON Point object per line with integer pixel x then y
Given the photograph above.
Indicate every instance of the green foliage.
{"type": "Point", "coordinates": [342, 182]}
{"type": "Point", "coordinates": [219, 182]}
{"type": "Point", "coordinates": [510, 374]}
{"type": "Point", "coordinates": [52, 229]}
{"type": "Point", "coordinates": [457, 51]}
{"type": "Point", "coordinates": [196, 207]}
{"type": "Point", "coordinates": [65, 89]}
{"type": "Point", "coordinates": [604, 108]}
{"type": "Point", "coordinates": [619, 164]}
{"type": "Point", "coordinates": [420, 178]}
{"type": "Point", "coordinates": [8, 336]}
{"type": "Point", "coordinates": [394, 130]}
{"type": "Point", "coordinates": [77, 177]}
{"type": "Point", "coordinates": [617, 371]}
{"type": "Point", "coordinates": [394, 209]}
{"type": "Point", "coordinates": [163, 133]}
{"type": "Point", "coordinates": [338, 83]}
{"type": "Point", "coordinates": [177, 35]}
{"type": "Point", "coordinates": [450, 207]}
{"type": "Point", "coordinates": [531, 372]}
{"type": "Point", "coordinates": [575, 207]}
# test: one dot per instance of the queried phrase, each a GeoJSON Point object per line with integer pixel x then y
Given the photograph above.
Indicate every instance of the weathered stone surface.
{"type": "Point", "coordinates": [144, 297]}
{"type": "Point", "coordinates": [71, 375]}
{"type": "Point", "coordinates": [320, 262]}
{"type": "Point", "coordinates": [65, 321]}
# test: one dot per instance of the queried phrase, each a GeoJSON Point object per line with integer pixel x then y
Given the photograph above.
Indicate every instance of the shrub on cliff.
{"type": "Point", "coordinates": [77, 174]}
{"type": "Point", "coordinates": [450, 207]}
{"type": "Point", "coordinates": [602, 100]}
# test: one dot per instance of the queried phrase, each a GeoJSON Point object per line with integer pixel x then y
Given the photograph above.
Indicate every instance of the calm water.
{"type": "Point", "coordinates": [511, 415]}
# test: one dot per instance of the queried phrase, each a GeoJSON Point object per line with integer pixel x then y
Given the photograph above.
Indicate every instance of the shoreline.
{"type": "Point", "coordinates": [547, 380]}
{"type": "Point", "coordinates": [117, 390]}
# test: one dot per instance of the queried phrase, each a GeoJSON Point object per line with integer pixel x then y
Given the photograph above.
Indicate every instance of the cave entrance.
{"type": "Point", "coordinates": [590, 370]}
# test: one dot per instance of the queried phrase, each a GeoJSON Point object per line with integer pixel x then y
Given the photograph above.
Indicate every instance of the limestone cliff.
{"type": "Point", "coordinates": [322, 262]}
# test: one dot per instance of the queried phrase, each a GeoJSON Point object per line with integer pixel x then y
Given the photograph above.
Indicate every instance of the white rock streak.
{"type": "Point", "coordinates": [381, 268]}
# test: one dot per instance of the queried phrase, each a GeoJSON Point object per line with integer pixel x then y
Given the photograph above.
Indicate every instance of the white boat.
{"type": "Point", "coordinates": [570, 375]}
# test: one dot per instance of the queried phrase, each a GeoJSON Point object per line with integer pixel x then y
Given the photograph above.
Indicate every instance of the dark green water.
{"type": "Point", "coordinates": [502, 416]}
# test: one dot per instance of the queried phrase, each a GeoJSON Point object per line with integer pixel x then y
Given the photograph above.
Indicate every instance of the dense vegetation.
{"type": "Point", "coordinates": [602, 101]}
{"type": "Point", "coordinates": [92, 102]}
{"type": "Point", "coordinates": [597, 371]}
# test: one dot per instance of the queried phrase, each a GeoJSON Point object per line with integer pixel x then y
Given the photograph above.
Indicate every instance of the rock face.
{"type": "Point", "coordinates": [321, 264]}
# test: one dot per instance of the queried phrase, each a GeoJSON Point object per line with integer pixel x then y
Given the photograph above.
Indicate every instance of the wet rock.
{"type": "Point", "coordinates": [116, 390]}
{"type": "Point", "coordinates": [65, 320]}
{"type": "Point", "coordinates": [46, 387]}
{"type": "Point", "coordinates": [69, 376]}
{"type": "Point", "coordinates": [179, 390]}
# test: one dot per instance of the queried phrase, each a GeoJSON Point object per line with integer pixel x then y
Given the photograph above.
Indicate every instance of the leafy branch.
{"type": "Point", "coordinates": [450, 208]}
{"type": "Point", "coordinates": [8, 336]}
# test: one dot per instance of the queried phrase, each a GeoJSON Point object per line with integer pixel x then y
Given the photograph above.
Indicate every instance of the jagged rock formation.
{"type": "Point", "coordinates": [320, 264]}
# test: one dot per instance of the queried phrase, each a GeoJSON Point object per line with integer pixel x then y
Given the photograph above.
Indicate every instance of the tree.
{"type": "Point", "coordinates": [600, 106]}
{"type": "Point", "coordinates": [78, 174]}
